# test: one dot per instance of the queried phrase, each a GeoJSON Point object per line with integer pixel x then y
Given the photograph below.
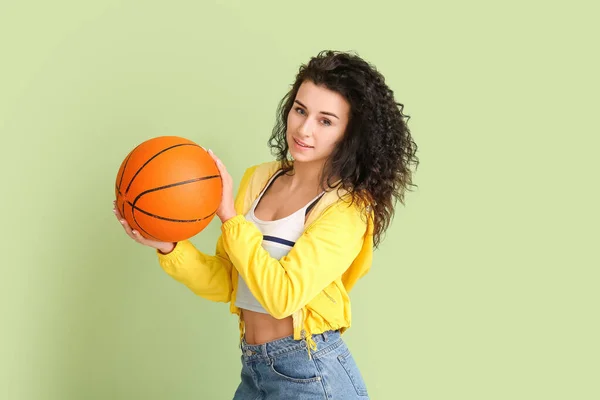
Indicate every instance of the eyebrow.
{"type": "Point", "coordinates": [322, 112]}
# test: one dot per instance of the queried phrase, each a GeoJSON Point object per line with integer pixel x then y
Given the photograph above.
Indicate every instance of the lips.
{"type": "Point", "coordinates": [302, 144]}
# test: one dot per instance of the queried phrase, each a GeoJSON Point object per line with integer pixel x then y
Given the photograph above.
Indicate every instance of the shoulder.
{"type": "Point", "coordinates": [341, 216]}
{"type": "Point", "coordinates": [343, 226]}
{"type": "Point", "coordinates": [258, 173]}
{"type": "Point", "coordinates": [342, 205]}
{"type": "Point", "coordinates": [268, 168]}
{"type": "Point", "coordinates": [253, 180]}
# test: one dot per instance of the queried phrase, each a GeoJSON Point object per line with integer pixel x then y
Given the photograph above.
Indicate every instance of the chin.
{"type": "Point", "coordinates": [298, 157]}
{"type": "Point", "coordinates": [303, 158]}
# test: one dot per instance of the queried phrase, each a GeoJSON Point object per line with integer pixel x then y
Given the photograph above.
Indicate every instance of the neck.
{"type": "Point", "coordinates": [306, 175]}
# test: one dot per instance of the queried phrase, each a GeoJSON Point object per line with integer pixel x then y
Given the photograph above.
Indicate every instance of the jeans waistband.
{"type": "Point", "coordinates": [285, 345]}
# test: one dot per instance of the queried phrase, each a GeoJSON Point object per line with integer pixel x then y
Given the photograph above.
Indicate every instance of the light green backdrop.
{"type": "Point", "coordinates": [486, 286]}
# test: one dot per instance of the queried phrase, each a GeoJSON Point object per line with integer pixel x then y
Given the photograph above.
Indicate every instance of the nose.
{"type": "Point", "coordinates": [305, 128]}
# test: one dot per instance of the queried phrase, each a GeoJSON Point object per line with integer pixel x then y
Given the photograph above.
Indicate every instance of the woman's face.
{"type": "Point", "coordinates": [316, 122]}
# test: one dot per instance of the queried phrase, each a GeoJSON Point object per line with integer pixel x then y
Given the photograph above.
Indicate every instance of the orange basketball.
{"type": "Point", "coordinates": [168, 188]}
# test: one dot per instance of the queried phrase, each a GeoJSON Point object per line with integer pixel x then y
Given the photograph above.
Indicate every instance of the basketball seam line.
{"type": "Point", "coordinates": [170, 185]}
{"type": "Point", "coordinates": [124, 169]}
{"type": "Point", "coordinates": [134, 207]}
{"type": "Point", "coordinates": [152, 158]}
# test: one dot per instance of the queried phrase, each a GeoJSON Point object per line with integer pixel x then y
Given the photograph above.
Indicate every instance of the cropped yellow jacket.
{"type": "Point", "coordinates": [311, 283]}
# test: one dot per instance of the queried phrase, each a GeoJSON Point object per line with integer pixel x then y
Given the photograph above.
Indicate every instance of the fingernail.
{"type": "Point", "coordinates": [210, 151]}
{"type": "Point", "coordinates": [123, 221]}
{"type": "Point", "coordinates": [134, 232]}
{"type": "Point", "coordinates": [115, 210]}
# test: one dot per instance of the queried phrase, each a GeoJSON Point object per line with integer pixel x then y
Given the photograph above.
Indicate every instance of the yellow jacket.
{"type": "Point", "coordinates": [311, 283]}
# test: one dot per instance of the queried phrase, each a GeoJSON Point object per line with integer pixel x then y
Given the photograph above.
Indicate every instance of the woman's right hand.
{"type": "Point", "coordinates": [163, 247]}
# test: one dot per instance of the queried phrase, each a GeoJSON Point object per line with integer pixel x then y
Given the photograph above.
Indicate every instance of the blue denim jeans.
{"type": "Point", "coordinates": [281, 369]}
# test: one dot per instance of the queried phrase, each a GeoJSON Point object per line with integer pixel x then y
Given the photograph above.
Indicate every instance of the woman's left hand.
{"type": "Point", "coordinates": [226, 210]}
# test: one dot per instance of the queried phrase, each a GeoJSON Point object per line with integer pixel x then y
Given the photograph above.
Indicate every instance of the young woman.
{"type": "Point", "coordinates": [302, 229]}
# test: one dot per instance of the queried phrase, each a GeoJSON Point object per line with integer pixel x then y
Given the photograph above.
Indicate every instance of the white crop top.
{"type": "Point", "coordinates": [279, 237]}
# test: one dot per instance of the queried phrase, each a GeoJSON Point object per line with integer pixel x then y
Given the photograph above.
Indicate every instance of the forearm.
{"type": "Point", "coordinates": [284, 286]}
{"type": "Point", "coordinates": [205, 275]}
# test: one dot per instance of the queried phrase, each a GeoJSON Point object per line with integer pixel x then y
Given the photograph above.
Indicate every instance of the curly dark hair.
{"type": "Point", "coordinates": [374, 157]}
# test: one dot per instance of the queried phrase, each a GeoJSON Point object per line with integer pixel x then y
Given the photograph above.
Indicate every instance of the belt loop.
{"type": "Point", "coordinates": [325, 336]}
{"type": "Point", "coordinates": [264, 351]}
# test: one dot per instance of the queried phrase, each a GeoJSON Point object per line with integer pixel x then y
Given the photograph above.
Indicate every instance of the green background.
{"type": "Point", "coordinates": [486, 286]}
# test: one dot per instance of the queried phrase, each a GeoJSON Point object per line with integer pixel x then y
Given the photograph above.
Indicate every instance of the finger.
{"type": "Point", "coordinates": [146, 242]}
{"type": "Point", "coordinates": [127, 228]}
{"type": "Point", "coordinates": [123, 222]}
{"type": "Point", "coordinates": [214, 157]}
{"type": "Point", "coordinates": [125, 225]}
{"type": "Point", "coordinates": [139, 238]}
{"type": "Point", "coordinates": [220, 165]}
{"type": "Point", "coordinates": [134, 234]}
{"type": "Point", "coordinates": [117, 213]}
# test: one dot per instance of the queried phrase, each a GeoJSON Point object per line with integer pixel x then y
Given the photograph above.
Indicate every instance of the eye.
{"type": "Point", "coordinates": [299, 110]}
{"type": "Point", "coordinates": [326, 122]}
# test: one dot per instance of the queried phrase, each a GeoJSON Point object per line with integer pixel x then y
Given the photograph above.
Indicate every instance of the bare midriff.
{"type": "Point", "coordinates": [262, 328]}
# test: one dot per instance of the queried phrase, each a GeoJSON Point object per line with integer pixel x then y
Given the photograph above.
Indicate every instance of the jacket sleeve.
{"type": "Point", "coordinates": [206, 275]}
{"type": "Point", "coordinates": [323, 253]}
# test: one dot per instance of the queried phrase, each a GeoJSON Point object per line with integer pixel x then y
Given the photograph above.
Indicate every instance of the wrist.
{"type": "Point", "coordinates": [169, 247]}
{"type": "Point", "coordinates": [227, 216]}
